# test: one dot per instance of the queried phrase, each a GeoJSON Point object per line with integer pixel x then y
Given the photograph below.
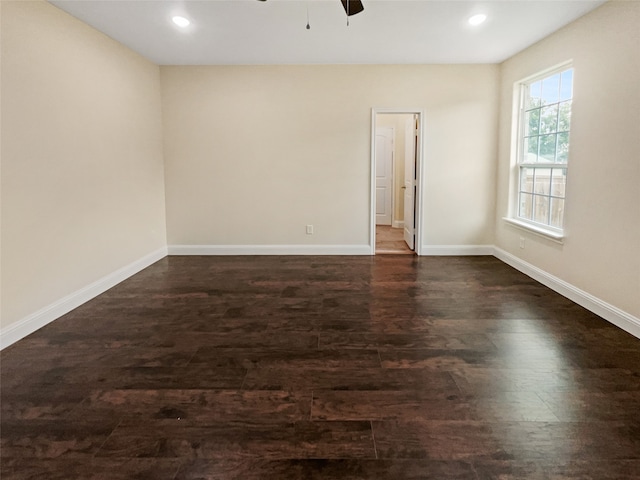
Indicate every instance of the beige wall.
{"type": "Point", "coordinates": [398, 122]}
{"type": "Point", "coordinates": [255, 153]}
{"type": "Point", "coordinates": [600, 254]}
{"type": "Point", "coordinates": [82, 167]}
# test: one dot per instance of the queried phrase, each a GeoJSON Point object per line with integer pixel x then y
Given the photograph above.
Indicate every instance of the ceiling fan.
{"type": "Point", "coordinates": [351, 7]}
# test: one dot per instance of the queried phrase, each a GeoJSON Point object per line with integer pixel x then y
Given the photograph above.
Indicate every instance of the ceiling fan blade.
{"type": "Point", "coordinates": [353, 6]}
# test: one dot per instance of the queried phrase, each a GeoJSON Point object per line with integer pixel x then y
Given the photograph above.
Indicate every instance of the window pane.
{"type": "Point", "coordinates": [563, 147]}
{"type": "Point", "coordinates": [548, 148]}
{"type": "Point", "coordinates": [564, 118]}
{"type": "Point", "coordinates": [530, 149]}
{"type": "Point", "coordinates": [557, 212]}
{"type": "Point", "coordinates": [558, 182]}
{"type": "Point", "coordinates": [541, 209]}
{"type": "Point", "coordinates": [532, 122]}
{"type": "Point", "coordinates": [525, 205]}
{"type": "Point", "coordinates": [535, 92]}
{"type": "Point", "coordinates": [542, 184]}
{"type": "Point", "coordinates": [549, 119]}
{"type": "Point", "coordinates": [566, 85]}
{"type": "Point", "coordinates": [551, 89]}
{"type": "Point", "coordinates": [526, 179]}
{"type": "Point", "coordinates": [543, 145]}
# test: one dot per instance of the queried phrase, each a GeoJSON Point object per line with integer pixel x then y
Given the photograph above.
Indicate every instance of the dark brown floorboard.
{"type": "Point", "coordinates": [387, 367]}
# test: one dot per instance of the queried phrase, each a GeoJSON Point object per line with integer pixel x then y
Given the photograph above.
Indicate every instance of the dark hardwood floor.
{"type": "Point", "coordinates": [386, 367]}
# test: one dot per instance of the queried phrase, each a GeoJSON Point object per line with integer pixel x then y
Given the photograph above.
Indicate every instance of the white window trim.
{"type": "Point", "coordinates": [512, 218]}
{"type": "Point", "coordinates": [535, 229]}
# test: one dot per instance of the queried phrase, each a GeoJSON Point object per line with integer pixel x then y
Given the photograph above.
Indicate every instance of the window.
{"type": "Point", "coordinates": [543, 146]}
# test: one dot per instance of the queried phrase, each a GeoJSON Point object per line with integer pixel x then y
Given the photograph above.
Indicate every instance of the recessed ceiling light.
{"type": "Point", "coordinates": [477, 19]}
{"type": "Point", "coordinates": [181, 21]}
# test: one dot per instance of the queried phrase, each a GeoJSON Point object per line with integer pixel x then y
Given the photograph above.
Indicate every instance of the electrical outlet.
{"type": "Point", "coordinates": [309, 229]}
{"type": "Point", "coordinates": [521, 242]}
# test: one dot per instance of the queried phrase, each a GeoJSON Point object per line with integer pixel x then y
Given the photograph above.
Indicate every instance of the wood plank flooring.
{"type": "Point", "coordinates": [391, 241]}
{"type": "Point", "coordinates": [386, 367]}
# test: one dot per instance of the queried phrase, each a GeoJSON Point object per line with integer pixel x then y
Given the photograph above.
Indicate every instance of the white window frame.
{"type": "Point", "coordinates": [520, 92]}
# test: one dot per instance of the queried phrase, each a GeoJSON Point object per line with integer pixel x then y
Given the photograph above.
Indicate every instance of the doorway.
{"type": "Point", "coordinates": [396, 162]}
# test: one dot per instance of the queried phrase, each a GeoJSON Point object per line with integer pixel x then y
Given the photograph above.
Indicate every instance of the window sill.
{"type": "Point", "coordinates": [548, 234]}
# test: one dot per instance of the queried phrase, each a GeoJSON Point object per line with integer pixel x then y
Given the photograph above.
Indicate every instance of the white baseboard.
{"type": "Point", "coordinates": [620, 318]}
{"type": "Point", "coordinates": [443, 250]}
{"type": "Point", "coordinates": [397, 224]}
{"type": "Point", "coordinates": [269, 250]}
{"type": "Point", "coordinates": [39, 319]}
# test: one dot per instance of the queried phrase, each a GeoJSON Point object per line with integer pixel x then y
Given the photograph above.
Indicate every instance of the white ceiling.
{"type": "Point", "coordinates": [248, 32]}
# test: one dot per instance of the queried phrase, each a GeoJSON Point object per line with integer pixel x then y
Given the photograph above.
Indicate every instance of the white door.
{"type": "Point", "coordinates": [409, 186]}
{"type": "Point", "coordinates": [384, 175]}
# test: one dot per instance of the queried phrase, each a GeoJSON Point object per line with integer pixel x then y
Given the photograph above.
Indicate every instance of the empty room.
{"type": "Point", "coordinates": [319, 239]}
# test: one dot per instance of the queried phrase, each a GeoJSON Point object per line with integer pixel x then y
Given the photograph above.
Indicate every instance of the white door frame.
{"type": "Point", "coordinates": [419, 175]}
